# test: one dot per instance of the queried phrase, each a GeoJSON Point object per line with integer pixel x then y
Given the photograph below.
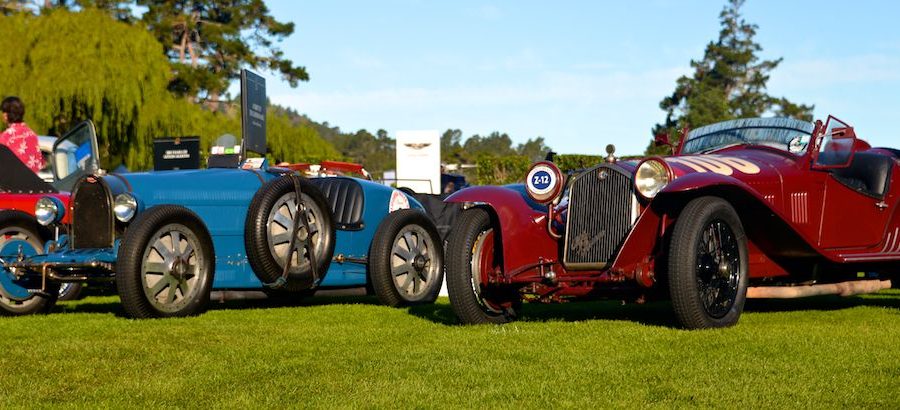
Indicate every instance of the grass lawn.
{"type": "Point", "coordinates": [349, 352]}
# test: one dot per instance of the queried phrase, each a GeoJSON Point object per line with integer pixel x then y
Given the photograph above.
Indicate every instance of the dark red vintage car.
{"type": "Point", "coordinates": [72, 157]}
{"type": "Point", "coordinates": [749, 208]}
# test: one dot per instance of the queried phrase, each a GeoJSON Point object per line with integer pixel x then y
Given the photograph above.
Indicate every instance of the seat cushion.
{"type": "Point", "coordinates": [869, 173]}
{"type": "Point", "coordinates": [345, 196]}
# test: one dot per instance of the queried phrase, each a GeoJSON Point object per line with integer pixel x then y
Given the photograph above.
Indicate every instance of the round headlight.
{"type": "Point", "coordinates": [651, 177]}
{"type": "Point", "coordinates": [544, 182]}
{"type": "Point", "coordinates": [125, 206]}
{"type": "Point", "coordinates": [46, 211]}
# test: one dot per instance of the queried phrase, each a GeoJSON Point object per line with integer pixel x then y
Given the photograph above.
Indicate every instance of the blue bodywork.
{"type": "Point", "coordinates": [221, 198]}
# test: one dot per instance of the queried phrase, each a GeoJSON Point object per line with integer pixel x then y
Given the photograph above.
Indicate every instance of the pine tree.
{"type": "Point", "coordinates": [209, 41]}
{"type": "Point", "coordinates": [729, 82]}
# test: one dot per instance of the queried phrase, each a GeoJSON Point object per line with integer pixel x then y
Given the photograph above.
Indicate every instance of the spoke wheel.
{"type": "Point", "coordinates": [718, 268]}
{"type": "Point", "coordinates": [708, 268]}
{"type": "Point", "coordinates": [412, 261]}
{"type": "Point", "coordinates": [269, 229]}
{"type": "Point", "coordinates": [165, 264]}
{"type": "Point", "coordinates": [22, 232]}
{"type": "Point", "coordinates": [171, 268]}
{"type": "Point", "coordinates": [280, 223]}
{"type": "Point", "coordinates": [406, 259]}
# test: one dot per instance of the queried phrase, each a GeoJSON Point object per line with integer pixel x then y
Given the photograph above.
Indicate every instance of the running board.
{"type": "Point", "coordinates": [850, 288]}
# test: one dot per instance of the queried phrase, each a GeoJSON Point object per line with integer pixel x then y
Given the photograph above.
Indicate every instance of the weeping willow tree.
{"type": "Point", "coordinates": [68, 67]}
{"type": "Point", "coordinates": [72, 66]}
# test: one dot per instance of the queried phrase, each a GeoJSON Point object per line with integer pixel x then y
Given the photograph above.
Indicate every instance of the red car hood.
{"type": "Point", "coordinates": [750, 165]}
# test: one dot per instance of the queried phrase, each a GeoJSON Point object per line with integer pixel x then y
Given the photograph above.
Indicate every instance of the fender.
{"type": "Point", "coordinates": [782, 239]}
{"type": "Point", "coordinates": [523, 230]}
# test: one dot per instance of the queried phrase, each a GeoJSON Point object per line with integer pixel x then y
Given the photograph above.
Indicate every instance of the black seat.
{"type": "Point", "coordinates": [896, 152]}
{"type": "Point", "coordinates": [443, 214]}
{"type": "Point", "coordinates": [18, 178]}
{"type": "Point", "coordinates": [345, 196]}
{"type": "Point", "coordinates": [869, 173]}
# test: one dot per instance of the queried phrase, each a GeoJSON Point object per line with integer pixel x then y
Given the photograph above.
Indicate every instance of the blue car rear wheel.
{"type": "Point", "coordinates": [406, 259]}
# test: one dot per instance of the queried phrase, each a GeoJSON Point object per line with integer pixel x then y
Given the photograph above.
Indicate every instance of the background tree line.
{"type": "Point", "coordinates": [143, 69]}
{"type": "Point", "coordinates": [71, 62]}
{"type": "Point", "coordinates": [76, 60]}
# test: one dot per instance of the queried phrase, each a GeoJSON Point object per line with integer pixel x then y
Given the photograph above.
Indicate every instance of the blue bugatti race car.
{"type": "Point", "coordinates": [168, 238]}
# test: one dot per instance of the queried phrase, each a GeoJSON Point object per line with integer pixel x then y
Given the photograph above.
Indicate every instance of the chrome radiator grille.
{"type": "Point", "coordinates": [601, 213]}
{"type": "Point", "coordinates": [92, 219]}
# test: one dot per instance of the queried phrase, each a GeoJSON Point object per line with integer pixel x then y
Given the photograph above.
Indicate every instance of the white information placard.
{"type": "Point", "coordinates": [419, 161]}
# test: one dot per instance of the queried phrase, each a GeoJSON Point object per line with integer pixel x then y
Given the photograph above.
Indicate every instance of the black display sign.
{"type": "Point", "coordinates": [176, 153]}
{"type": "Point", "coordinates": [253, 112]}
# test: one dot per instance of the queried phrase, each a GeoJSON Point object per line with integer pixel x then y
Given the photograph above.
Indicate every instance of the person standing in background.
{"type": "Point", "coordinates": [18, 137]}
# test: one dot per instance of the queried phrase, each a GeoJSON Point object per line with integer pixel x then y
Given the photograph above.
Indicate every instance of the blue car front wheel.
{"type": "Point", "coordinates": [165, 264]}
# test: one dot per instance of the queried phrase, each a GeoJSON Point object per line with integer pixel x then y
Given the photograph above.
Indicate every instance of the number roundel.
{"type": "Point", "coordinates": [544, 182]}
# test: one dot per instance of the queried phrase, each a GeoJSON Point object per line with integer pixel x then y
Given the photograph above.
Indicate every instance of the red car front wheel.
{"type": "Point", "coordinates": [473, 252]}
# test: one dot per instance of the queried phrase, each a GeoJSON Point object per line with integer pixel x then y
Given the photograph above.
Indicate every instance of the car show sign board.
{"type": "Point", "coordinates": [419, 161]}
{"type": "Point", "coordinates": [253, 112]}
{"type": "Point", "coordinates": [176, 153]}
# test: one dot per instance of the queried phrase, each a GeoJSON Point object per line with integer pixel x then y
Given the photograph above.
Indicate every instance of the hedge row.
{"type": "Point", "coordinates": [512, 169]}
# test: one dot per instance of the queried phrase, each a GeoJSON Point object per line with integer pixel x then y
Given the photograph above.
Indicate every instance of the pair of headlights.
{"type": "Point", "coordinates": [50, 210]}
{"type": "Point", "coordinates": [544, 182]}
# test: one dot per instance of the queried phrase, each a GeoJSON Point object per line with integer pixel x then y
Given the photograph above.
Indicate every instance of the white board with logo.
{"type": "Point", "coordinates": [419, 161]}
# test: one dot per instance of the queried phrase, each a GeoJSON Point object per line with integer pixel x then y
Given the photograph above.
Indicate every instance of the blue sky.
{"type": "Point", "coordinates": [579, 74]}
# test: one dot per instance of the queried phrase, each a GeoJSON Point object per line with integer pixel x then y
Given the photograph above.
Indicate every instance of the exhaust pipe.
{"type": "Point", "coordinates": [850, 288]}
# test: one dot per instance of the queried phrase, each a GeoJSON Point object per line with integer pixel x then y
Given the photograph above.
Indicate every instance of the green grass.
{"type": "Point", "coordinates": [349, 352]}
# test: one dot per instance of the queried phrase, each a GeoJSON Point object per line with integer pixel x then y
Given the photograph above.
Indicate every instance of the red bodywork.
{"type": "Point", "coordinates": [330, 168]}
{"type": "Point", "coordinates": [798, 217]}
{"type": "Point", "coordinates": [26, 202]}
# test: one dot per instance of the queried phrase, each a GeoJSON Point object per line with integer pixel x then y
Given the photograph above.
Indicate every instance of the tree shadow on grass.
{"type": "Point", "coordinates": [822, 303]}
{"type": "Point", "coordinates": [238, 300]}
{"type": "Point", "coordinates": [658, 313]}
{"type": "Point", "coordinates": [104, 307]}
{"type": "Point", "coordinates": [651, 314]}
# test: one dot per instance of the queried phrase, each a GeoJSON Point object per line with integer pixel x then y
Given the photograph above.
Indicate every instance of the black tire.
{"type": "Point", "coordinates": [262, 256]}
{"type": "Point", "coordinates": [708, 265]}
{"type": "Point", "coordinates": [19, 225]}
{"type": "Point", "coordinates": [474, 303]}
{"type": "Point", "coordinates": [70, 291]}
{"type": "Point", "coordinates": [148, 268]}
{"type": "Point", "coordinates": [406, 259]}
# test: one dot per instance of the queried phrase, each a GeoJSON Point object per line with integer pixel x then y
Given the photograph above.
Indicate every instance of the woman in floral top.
{"type": "Point", "coordinates": [20, 139]}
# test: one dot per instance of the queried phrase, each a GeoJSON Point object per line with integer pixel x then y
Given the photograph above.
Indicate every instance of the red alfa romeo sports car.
{"type": "Point", "coordinates": [748, 208]}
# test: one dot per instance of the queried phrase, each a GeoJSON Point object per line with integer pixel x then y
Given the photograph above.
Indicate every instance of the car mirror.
{"type": "Point", "coordinates": [798, 144]}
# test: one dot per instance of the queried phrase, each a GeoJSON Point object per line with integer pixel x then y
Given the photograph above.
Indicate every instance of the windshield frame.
{"type": "Point", "coordinates": [786, 124]}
